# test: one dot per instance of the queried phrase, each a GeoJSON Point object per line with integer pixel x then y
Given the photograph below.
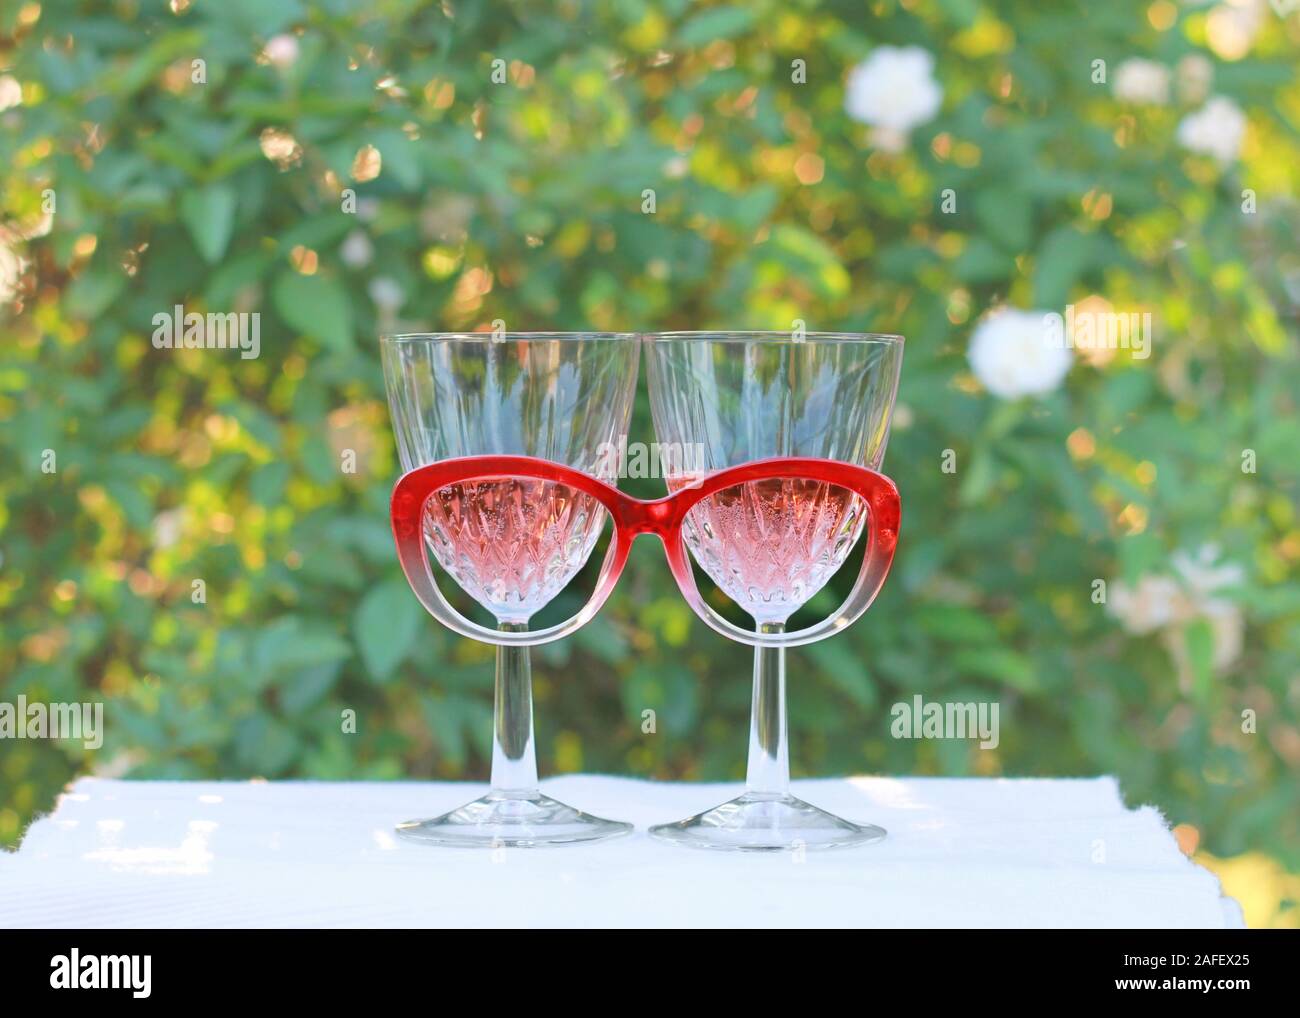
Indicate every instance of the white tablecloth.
{"type": "Point", "coordinates": [960, 852]}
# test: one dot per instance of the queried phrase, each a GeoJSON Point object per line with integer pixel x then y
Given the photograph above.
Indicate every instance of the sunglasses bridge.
{"type": "Point", "coordinates": [639, 517]}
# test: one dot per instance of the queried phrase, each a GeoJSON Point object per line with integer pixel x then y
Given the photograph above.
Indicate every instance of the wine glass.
{"type": "Point", "coordinates": [737, 397]}
{"type": "Point", "coordinates": [511, 543]}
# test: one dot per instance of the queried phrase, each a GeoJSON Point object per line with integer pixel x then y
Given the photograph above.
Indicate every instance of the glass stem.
{"type": "Point", "coordinates": [768, 773]}
{"type": "Point", "coordinates": [514, 756]}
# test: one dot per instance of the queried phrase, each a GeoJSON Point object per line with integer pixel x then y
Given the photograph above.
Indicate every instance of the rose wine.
{"type": "Point", "coordinates": [512, 543]}
{"type": "Point", "coordinates": [771, 544]}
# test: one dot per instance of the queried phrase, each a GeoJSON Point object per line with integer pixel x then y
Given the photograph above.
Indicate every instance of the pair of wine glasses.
{"type": "Point", "coordinates": [511, 446]}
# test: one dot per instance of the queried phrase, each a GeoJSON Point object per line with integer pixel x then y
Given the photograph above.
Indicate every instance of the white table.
{"type": "Point", "coordinates": [960, 852]}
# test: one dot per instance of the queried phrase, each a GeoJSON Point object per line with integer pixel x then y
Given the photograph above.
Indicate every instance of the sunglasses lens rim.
{"type": "Point", "coordinates": [631, 517]}
{"type": "Point", "coordinates": [414, 490]}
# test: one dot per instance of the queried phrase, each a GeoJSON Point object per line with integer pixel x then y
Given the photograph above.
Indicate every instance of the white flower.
{"type": "Point", "coordinates": [894, 89]}
{"type": "Point", "coordinates": [1152, 603]}
{"type": "Point", "coordinates": [1195, 74]}
{"type": "Point", "coordinates": [1171, 604]}
{"type": "Point", "coordinates": [281, 50]}
{"type": "Point", "coordinates": [1013, 354]}
{"type": "Point", "coordinates": [167, 527]}
{"type": "Point", "coordinates": [11, 92]}
{"type": "Point", "coordinates": [1227, 630]}
{"type": "Point", "coordinates": [11, 270]}
{"type": "Point", "coordinates": [1231, 27]}
{"type": "Point", "coordinates": [357, 250]}
{"type": "Point", "coordinates": [1217, 130]}
{"type": "Point", "coordinates": [677, 167]}
{"type": "Point", "coordinates": [387, 294]}
{"type": "Point", "coordinates": [1142, 81]}
{"type": "Point", "coordinates": [1200, 574]}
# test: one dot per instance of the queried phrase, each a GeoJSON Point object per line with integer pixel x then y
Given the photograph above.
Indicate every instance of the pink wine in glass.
{"type": "Point", "coordinates": [771, 544]}
{"type": "Point", "coordinates": [512, 543]}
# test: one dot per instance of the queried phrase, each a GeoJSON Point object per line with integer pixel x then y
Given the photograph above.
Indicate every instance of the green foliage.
{"type": "Point", "coordinates": [522, 201]}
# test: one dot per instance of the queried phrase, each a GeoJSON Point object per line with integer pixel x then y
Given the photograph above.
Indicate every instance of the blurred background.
{"type": "Point", "coordinates": [915, 166]}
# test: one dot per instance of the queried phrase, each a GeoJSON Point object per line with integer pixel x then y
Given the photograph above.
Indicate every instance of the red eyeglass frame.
{"type": "Point", "coordinates": [632, 517]}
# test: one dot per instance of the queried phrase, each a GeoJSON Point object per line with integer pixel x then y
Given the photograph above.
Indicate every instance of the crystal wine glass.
{"type": "Point", "coordinates": [771, 544]}
{"type": "Point", "coordinates": [511, 543]}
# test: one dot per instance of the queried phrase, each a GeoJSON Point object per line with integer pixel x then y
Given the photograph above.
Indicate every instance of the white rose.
{"type": "Point", "coordinates": [11, 270]}
{"type": "Point", "coordinates": [894, 89]}
{"type": "Point", "coordinates": [282, 50]}
{"type": "Point", "coordinates": [11, 92]}
{"type": "Point", "coordinates": [677, 167]}
{"type": "Point", "coordinates": [1172, 603]}
{"type": "Point", "coordinates": [1217, 130]}
{"type": "Point", "coordinates": [1142, 81]}
{"type": "Point", "coordinates": [1152, 603]}
{"type": "Point", "coordinates": [1227, 631]}
{"type": "Point", "coordinates": [1200, 573]}
{"type": "Point", "coordinates": [1231, 27]}
{"type": "Point", "coordinates": [1013, 354]}
{"type": "Point", "coordinates": [167, 528]}
{"type": "Point", "coordinates": [357, 250]}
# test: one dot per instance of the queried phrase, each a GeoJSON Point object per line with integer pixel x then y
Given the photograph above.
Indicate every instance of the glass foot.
{"type": "Point", "coordinates": [511, 820]}
{"type": "Point", "coordinates": [767, 823]}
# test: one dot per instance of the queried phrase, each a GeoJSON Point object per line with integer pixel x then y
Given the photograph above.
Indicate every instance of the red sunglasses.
{"type": "Point", "coordinates": [663, 517]}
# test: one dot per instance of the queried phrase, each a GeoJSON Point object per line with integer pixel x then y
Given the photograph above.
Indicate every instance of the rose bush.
{"type": "Point", "coordinates": [343, 168]}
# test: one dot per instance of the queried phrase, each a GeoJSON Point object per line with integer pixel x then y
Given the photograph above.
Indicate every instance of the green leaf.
{"type": "Point", "coordinates": [840, 665]}
{"type": "Point", "coordinates": [715, 23]}
{"type": "Point", "coordinates": [1064, 257]}
{"type": "Point", "coordinates": [264, 745]}
{"type": "Point", "coordinates": [257, 422]}
{"type": "Point", "coordinates": [754, 206]}
{"type": "Point", "coordinates": [1200, 652]}
{"type": "Point", "coordinates": [236, 273]}
{"type": "Point", "coordinates": [209, 215]}
{"type": "Point", "coordinates": [955, 623]}
{"type": "Point", "coordinates": [401, 158]}
{"type": "Point", "coordinates": [982, 262]}
{"type": "Point", "coordinates": [305, 689]}
{"type": "Point", "coordinates": [1001, 665]}
{"type": "Point", "coordinates": [259, 17]}
{"type": "Point", "coordinates": [668, 689]}
{"type": "Point", "coordinates": [446, 721]}
{"type": "Point", "coordinates": [809, 257]}
{"type": "Point", "coordinates": [1005, 215]}
{"type": "Point", "coordinates": [979, 478]}
{"type": "Point", "coordinates": [135, 504]}
{"type": "Point", "coordinates": [268, 481]}
{"type": "Point", "coordinates": [601, 639]}
{"type": "Point", "coordinates": [91, 294]}
{"type": "Point", "coordinates": [287, 644]}
{"type": "Point", "coordinates": [387, 622]}
{"type": "Point", "coordinates": [962, 13]}
{"type": "Point", "coordinates": [316, 306]}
